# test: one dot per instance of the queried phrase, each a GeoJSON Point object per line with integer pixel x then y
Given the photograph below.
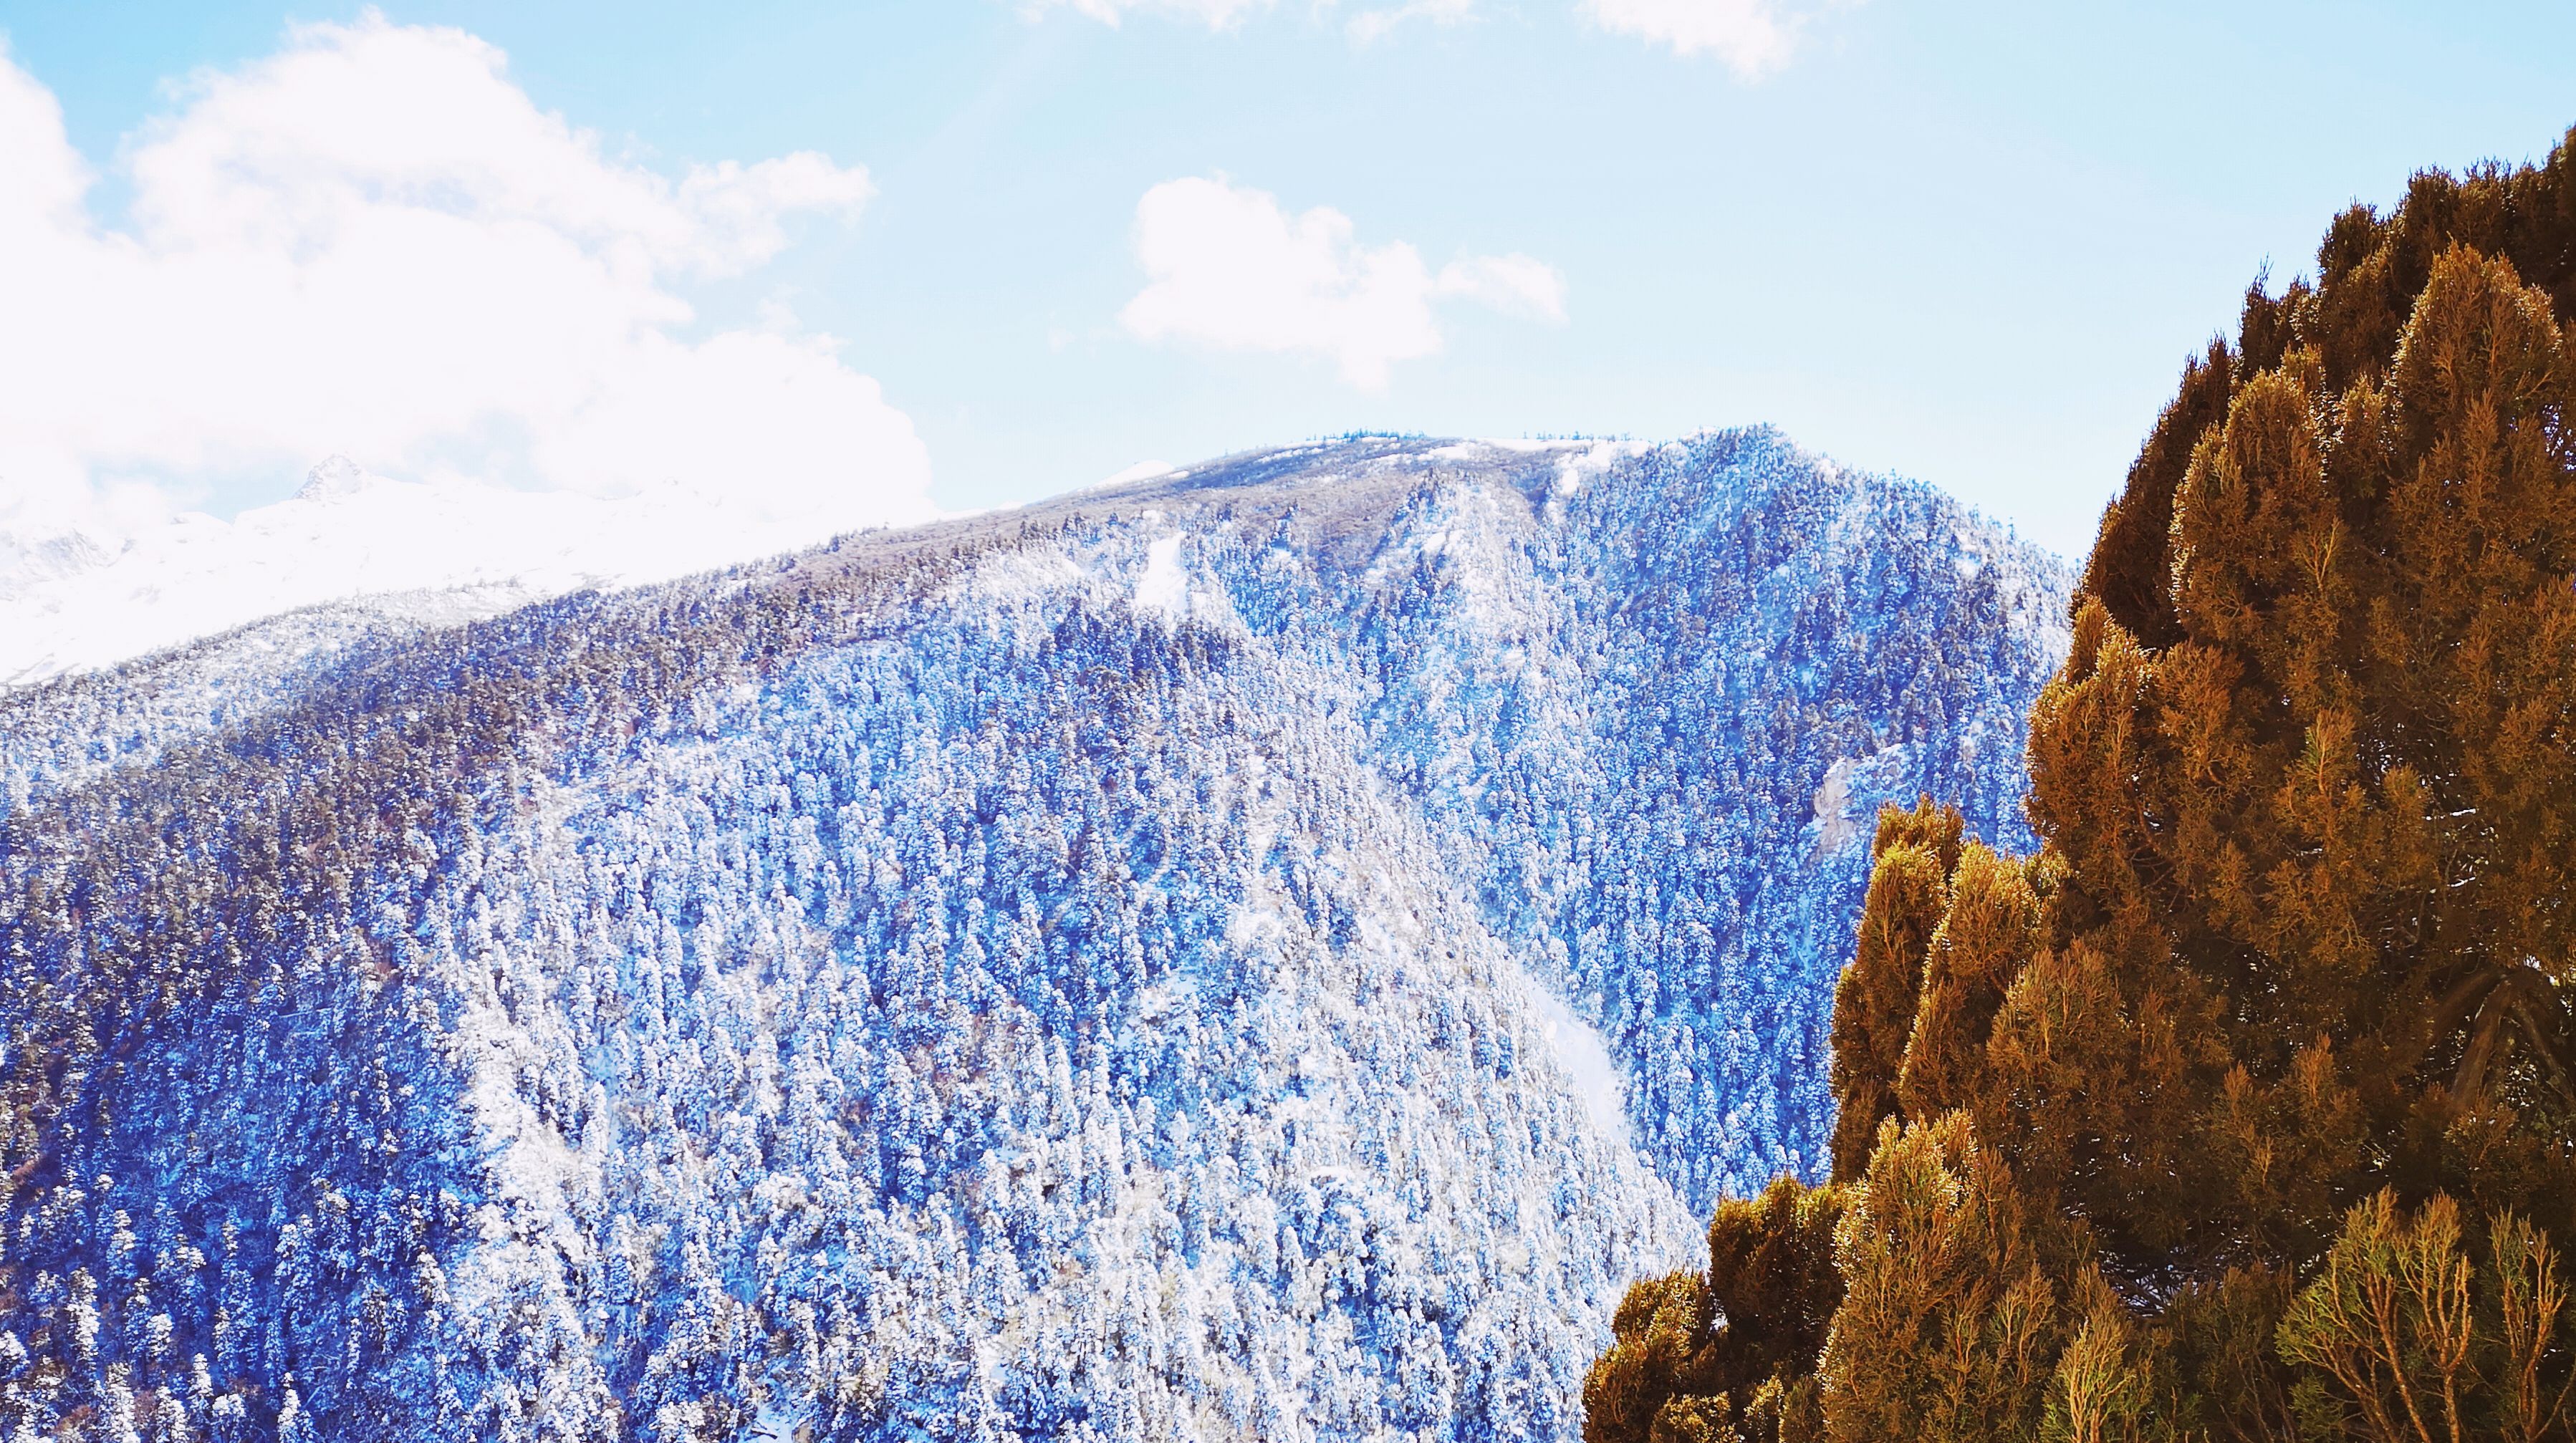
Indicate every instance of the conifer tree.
{"type": "Point", "coordinates": [1912, 858]}
{"type": "Point", "coordinates": [1728, 1353]}
{"type": "Point", "coordinates": [2247, 1109]}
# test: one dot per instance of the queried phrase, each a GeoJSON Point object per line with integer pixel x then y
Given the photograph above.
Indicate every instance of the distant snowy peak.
{"type": "Point", "coordinates": [450, 551]}
{"type": "Point", "coordinates": [335, 476]}
{"type": "Point", "coordinates": [27, 562]}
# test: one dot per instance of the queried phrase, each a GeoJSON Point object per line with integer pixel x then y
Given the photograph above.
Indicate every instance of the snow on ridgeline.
{"type": "Point", "coordinates": [76, 599]}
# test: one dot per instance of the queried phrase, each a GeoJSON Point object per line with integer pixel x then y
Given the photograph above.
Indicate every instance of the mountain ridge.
{"type": "Point", "coordinates": [1123, 965]}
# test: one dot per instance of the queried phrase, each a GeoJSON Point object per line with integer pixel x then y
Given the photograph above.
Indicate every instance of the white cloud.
{"type": "Point", "coordinates": [373, 242]}
{"type": "Point", "coordinates": [1217, 14]}
{"type": "Point", "coordinates": [1754, 37]}
{"type": "Point", "coordinates": [1364, 26]}
{"type": "Point", "coordinates": [1369, 25]}
{"type": "Point", "coordinates": [1516, 285]}
{"type": "Point", "coordinates": [1227, 268]}
{"type": "Point", "coordinates": [1751, 36]}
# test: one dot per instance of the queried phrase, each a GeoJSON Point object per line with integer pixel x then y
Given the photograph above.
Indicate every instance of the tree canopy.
{"type": "Point", "coordinates": [2246, 1108]}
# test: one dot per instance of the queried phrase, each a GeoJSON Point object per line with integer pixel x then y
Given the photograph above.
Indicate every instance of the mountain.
{"type": "Point", "coordinates": [72, 600]}
{"type": "Point", "coordinates": [1265, 950]}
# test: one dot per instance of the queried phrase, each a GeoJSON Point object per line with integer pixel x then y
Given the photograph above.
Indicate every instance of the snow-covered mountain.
{"type": "Point", "coordinates": [1262, 951]}
{"type": "Point", "coordinates": [416, 551]}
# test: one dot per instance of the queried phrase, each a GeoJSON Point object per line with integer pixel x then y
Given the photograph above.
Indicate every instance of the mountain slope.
{"type": "Point", "coordinates": [1264, 951]}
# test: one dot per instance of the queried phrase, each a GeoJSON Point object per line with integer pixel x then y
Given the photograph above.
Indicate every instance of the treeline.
{"type": "Point", "coordinates": [2245, 1108]}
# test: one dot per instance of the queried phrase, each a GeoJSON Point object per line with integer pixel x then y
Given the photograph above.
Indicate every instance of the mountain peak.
{"type": "Point", "coordinates": [335, 475]}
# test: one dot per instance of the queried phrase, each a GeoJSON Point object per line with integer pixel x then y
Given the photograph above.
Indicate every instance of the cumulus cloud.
{"type": "Point", "coordinates": [374, 243]}
{"type": "Point", "coordinates": [1226, 267]}
{"type": "Point", "coordinates": [1753, 37]}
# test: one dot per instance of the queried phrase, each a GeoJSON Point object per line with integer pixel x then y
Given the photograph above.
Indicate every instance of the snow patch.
{"type": "Point", "coordinates": [1578, 1048]}
{"type": "Point", "coordinates": [1141, 471]}
{"type": "Point", "coordinates": [1164, 588]}
{"type": "Point", "coordinates": [1021, 575]}
{"type": "Point", "coordinates": [1846, 801]}
{"type": "Point", "coordinates": [1600, 456]}
{"type": "Point", "coordinates": [1835, 828]}
{"type": "Point", "coordinates": [532, 1173]}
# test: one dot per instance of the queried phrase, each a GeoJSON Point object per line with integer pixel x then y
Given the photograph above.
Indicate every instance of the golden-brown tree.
{"type": "Point", "coordinates": [1727, 1354]}
{"type": "Point", "coordinates": [1913, 856]}
{"type": "Point", "coordinates": [2172, 1130]}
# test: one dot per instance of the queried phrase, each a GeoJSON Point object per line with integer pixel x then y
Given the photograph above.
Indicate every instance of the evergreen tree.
{"type": "Point", "coordinates": [1913, 855]}
{"type": "Point", "coordinates": [1703, 1357]}
{"type": "Point", "coordinates": [2247, 1108]}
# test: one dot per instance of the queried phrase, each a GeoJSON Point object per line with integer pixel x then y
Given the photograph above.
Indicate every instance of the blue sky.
{"type": "Point", "coordinates": [1968, 242]}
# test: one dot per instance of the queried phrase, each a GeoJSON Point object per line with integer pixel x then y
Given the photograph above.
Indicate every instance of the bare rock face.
{"type": "Point", "coordinates": [1267, 950]}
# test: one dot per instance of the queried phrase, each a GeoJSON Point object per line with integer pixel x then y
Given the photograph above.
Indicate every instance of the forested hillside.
{"type": "Point", "coordinates": [1267, 952]}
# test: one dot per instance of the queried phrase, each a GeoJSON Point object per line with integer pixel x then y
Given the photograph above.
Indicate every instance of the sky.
{"type": "Point", "coordinates": [878, 260]}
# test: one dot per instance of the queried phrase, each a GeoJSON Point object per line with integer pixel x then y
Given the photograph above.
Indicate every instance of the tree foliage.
{"type": "Point", "coordinates": [1727, 1354]}
{"type": "Point", "coordinates": [2247, 1108]}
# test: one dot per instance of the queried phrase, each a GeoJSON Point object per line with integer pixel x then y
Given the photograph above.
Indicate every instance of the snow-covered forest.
{"type": "Point", "coordinates": [1268, 951]}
